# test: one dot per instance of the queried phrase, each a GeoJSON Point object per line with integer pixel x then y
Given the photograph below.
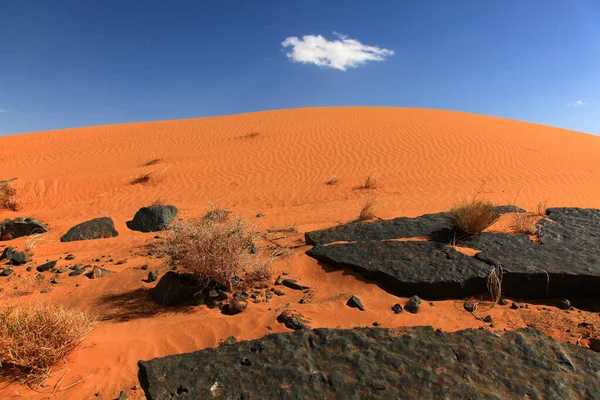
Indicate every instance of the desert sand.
{"type": "Point", "coordinates": [276, 163]}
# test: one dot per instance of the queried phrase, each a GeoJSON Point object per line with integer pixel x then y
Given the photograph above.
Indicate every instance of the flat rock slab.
{"type": "Point", "coordinates": [98, 228]}
{"type": "Point", "coordinates": [418, 363]}
{"type": "Point", "coordinates": [565, 262]}
{"type": "Point", "coordinates": [429, 269]}
{"type": "Point", "coordinates": [397, 228]}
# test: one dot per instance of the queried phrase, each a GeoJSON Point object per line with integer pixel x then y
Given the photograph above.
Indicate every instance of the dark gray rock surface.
{"type": "Point", "coordinates": [18, 227]}
{"type": "Point", "coordinates": [152, 219]}
{"type": "Point", "coordinates": [46, 266]}
{"type": "Point", "coordinates": [174, 289]}
{"type": "Point", "coordinates": [379, 363]}
{"type": "Point", "coordinates": [97, 228]}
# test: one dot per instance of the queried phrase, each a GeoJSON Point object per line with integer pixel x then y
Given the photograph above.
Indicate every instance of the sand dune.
{"type": "Point", "coordinates": [426, 161]}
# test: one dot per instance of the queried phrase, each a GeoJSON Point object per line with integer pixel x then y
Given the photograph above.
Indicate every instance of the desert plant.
{"type": "Point", "coordinates": [524, 223]}
{"type": "Point", "coordinates": [250, 135]}
{"type": "Point", "coordinates": [215, 251]}
{"type": "Point", "coordinates": [217, 215]}
{"type": "Point", "coordinates": [473, 217]}
{"type": "Point", "coordinates": [333, 181]}
{"type": "Point", "coordinates": [371, 181]}
{"type": "Point", "coordinates": [152, 161]}
{"type": "Point", "coordinates": [368, 210]}
{"type": "Point", "coordinates": [11, 203]}
{"type": "Point", "coordinates": [142, 178]}
{"type": "Point", "coordinates": [33, 338]}
{"type": "Point", "coordinates": [7, 196]}
{"type": "Point", "coordinates": [494, 283]}
{"type": "Point", "coordinates": [542, 209]}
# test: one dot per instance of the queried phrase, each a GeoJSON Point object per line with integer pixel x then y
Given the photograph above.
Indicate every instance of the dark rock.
{"type": "Point", "coordinates": [228, 342]}
{"type": "Point", "coordinates": [279, 292]}
{"type": "Point", "coordinates": [46, 267]}
{"type": "Point", "coordinates": [293, 320]}
{"type": "Point", "coordinates": [414, 305]}
{"type": "Point", "coordinates": [145, 267]}
{"type": "Point", "coordinates": [380, 363]}
{"type": "Point", "coordinates": [47, 290]}
{"type": "Point", "coordinates": [6, 253]}
{"type": "Point", "coordinates": [595, 344]}
{"type": "Point", "coordinates": [397, 308]}
{"type": "Point", "coordinates": [291, 283]}
{"type": "Point", "coordinates": [564, 304]}
{"type": "Point", "coordinates": [502, 302]}
{"type": "Point", "coordinates": [235, 306]}
{"type": "Point", "coordinates": [97, 228]}
{"type": "Point", "coordinates": [355, 302]}
{"type": "Point", "coordinates": [152, 219]}
{"type": "Point", "coordinates": [14, 257]}
{"type": "Point", "coordinates": [30, 268]}
{"type": "Point", "coordinates": [468, 306]}
{"type": "Point", "coordinates": [123, 396]}
{"type": "Point", "coordinates": [509, 209]}
{"type": "Point", "coordinates": [98, 272]}
{"type": "Point", "coordinates": [120, 262]}
{"type": "Point", "coordinates": [18, 227]}
{"type": "Point", "coordinates": [260, 215]}
{"type": "Point", "coordinates": [69, 257]}
{"type": "Point", "coordinates": [254, 249]}
{"type": "Point", "coordinates": [514, 306]}
{"type": "Point", "coordinates": [76, 272]}
{"type": "Point", "coordinates": [6, 272]}
{"type": "Point", "coordinates": [174, 289]}
{"type": "Point", "coordinates": [488, 319]}
{"type": "Point", "coordinates": [376, 323]}
{"type": "Point", "coordinates": [152, 277]}
{"type": "Point", "coordinates": [431, 304]}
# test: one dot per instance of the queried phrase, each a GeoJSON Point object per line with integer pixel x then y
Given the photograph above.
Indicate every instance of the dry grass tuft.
{"type": "Point", "coordinates": [215, 251]}
{"type": "Point", "coordinates": [371, 181]}
{"type": "Point", "coordinates": [153, 161]}
{"type": "Point", "coordinates": [217, 215]}
{"type": "Point", "coordinates": [368, 210]}
{"type": "Point", "coordinates": [473, 217]}
{"type": "Point", "coordinates": [542, 210]}
{"type": "Point", "coordinates": [250, 135]}
{"type": "Point", "coordinates": [159, 201]}
{"type": "Point", "coordinates": [333, 181]}
{"type": "Point", "coordinates": [33, 338]}
{"type": "Point", "coordinates": [524, 223]}
{"type": "Point", "coordinates": [494, 283]}
{"type": "Point", "coordinates": [7, 196]}
{"type": "Point", "coordinates": [142, 178]}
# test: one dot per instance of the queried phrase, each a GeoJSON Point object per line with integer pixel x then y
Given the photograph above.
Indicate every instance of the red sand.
{"type": "Point", "coordinates": [426, 161]}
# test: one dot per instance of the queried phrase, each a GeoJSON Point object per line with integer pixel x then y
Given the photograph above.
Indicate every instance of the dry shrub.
{"type": "Point", "coordinates": [33, 338]}
{"type": "Point", "coordinates": [473, 217]}
{"type": "Point", "coordinates": [217, 215]}
{"type": "Point", "coordinates": [159, 201]}
{"type": "Point", "coordinates": [7, 196]}
{"type": "Point", "coordinates": [525, 223]}
{"type": "Point", "coordinates": [250, 135]}
{"type": "Point", "coordinates": [333, 181]}
{"type": "Point", "coordinates": [371, 181]}
{"type": "Point", "coordinates": [215, 251]}
{"type": "Point", "coordinates": [542, 210]}
{"type": "Point", "coordinates": [368, 210]}
{"type": "Point", "coordinates": [494, 283]}
{"type": "Point", "coordinates": [142, 178]}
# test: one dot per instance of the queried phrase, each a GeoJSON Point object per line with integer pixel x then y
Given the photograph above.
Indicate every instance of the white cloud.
{"type": "Point", "coordinates": [2, 110]}
{"type": "Point", "coordinates": [578, 103]}
{"type": "Point", "coordinates": [339, 54]}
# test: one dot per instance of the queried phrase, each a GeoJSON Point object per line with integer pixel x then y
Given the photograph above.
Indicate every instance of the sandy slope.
{"type": "Point", "coordinates": [426, 161]}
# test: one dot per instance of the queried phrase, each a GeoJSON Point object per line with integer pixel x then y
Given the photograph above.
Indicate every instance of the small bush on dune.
{"type": "Point", "coordinates": [214, 250]}
{"type": "Point", "coordinates": [473, 217]}
{"type": "Point", "coordinates": [142, 178]}
{"type": "Point", "coordinates": [371, 181]}
{"type": "Point", "coordinates": [7, 196]}
{"type": "Point", "coordinates": [368, 210]}
{"type": "Point", "coordinates": [33, 338]}
{"type": "Point", "coordinates": [525, 223]}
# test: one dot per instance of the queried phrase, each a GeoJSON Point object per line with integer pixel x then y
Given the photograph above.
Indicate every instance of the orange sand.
{"type": "Point", "coordinates": [426, 161]}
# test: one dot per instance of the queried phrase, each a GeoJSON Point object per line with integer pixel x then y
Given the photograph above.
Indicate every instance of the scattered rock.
{"type": "Point", "coordinates": [29, 268]}
{"type": "Point", "coordinates": [228, 342]}
{"type": "Point", "coordinates": [468, 306]}
{"type": "Point", "coordinates": [355, 302]}
{"type": "Point", "coordinates": [46, 267]}
{"type": "Point", "coordinates": [293, 320]}
{"type": "Point", "coordinates": [47, 290]}
{"type": "Point", "coordinates": [260, 215]}
{"type": "Point", "coordinates": [291, 283]}
{"type": "Point", "coordinates": [431, 304]}
{"type": "Point", "coordinates": [514, 306]}
{"type": "Point", "coordinates": [595, 344]}
{"type": "Point", "coordinates": [174, 289]}
{"type": "Point", "coordinates": [6, 272]}
{"type": "Point", "coordinates": [279, 292]}
{"type": "Point", "coordinates": [98, 272]}
{"type": "Point", "coordinates": [414, 305]}
{"type": "Point", "coordinates": [152, 277]}
{"type": "Point", "coordinates": [6, 253]}
{"type": "Point", "coordinates": [15, 257]}
{"type": "Point", "coordinates": [502, 302]}
{"type": "Point", "coordinates": [488, 319]}
{"type": "Point", "coordinates": [152, 219]}
{"type": "Point", "coordinates": [375, 323]}
{"type": "Point", "coordinates": [123, 396]}
{"type": "Point", "coordinates": [145, 267]}
{"type": "Point", "coordinates": [235, 306]}
{"type": "Point", "coordinates": [397, 308]}
{"type": "Point", "coordinates": [18, 227]}
{"type": "Point", "coordinates": [564, 304]}
{"type": "Point", "coordinates": [120, 262]}
{"type": "Point", "coordinates": [69, 257]}
{"type": "Point", "coordinates": [97, 228]}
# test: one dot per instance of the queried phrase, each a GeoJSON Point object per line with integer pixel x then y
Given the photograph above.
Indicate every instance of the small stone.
{"type": "Point", "coordinates": [414, 305]}
{"type": "Point", "coordinates": [375, 323]}
{"type": "Point", "coordinates": [292, 320]}
{"type": "Point", "coordinates": [69, 257]}
{"type": "Point", "coordinates": [431, 304]}
{"type": "Point", "coordinates": [260, 215]}
{"type": "Point", "coordinates": [595, 344]}
{"type": "Point", "coordinates": [488, 319]}
{"type": "Point", "coordinates": [397, 308]}
{"type": "Point", "coordinates": [355, 302]}
{"type": "Point", "coordinates": [262, 286]}
{"type": "Point", "coordinates": [123, 396]}
{"type": "Point", "coordinates": [152, 277]}
{"type": "Point", "coordinates": [46, 267]}
{"type": "Point", "coordinates": [145, 267]}
{"type": "Point", "coordinates": [29, 268]}
{"type": "Point", "coordinates": [468, 306]}
{"type": "Point", "coordinates": [564, 304]}
{"type": "Point", "coordinates": [55, 280]}
{"type": "Point", "coordinates": [279, 293]}
{"type": "Point", "coordinates": [47, 290]}
{"type": "Point", "coordinates": [254, 250]}
{"type": "Point", "coordinates": [291, 283]}
{"type": "Point", "coordinates": [76, 272]}
{"type": "Point", "coordinates": [502, 302]}
{"type": "Point", "coordinates": [235, 306]}
{"type": "Point", "coordinates": [77, 285]}
{"type": "Point", "coordinates": [6, 272]}
{"type": "Point", "coordinates": [98, 272]}
{"type": "Point", "coordinates": [514, 306]}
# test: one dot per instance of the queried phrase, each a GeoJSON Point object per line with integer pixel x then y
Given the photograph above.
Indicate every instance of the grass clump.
{"type": "Point", "coordinates": [525, 223]}
{"type": "Point", "coordinates": [333, 181]}
{"type": "Point", "coordinates": [214, 250]}
{"type": "Point", "coordinates": [472, 218]}
{"type": "Point", "coordinates": [7, 196]}
{"type": "Point", "coordinates": [33, 338]}
{"type": "Point", "coordinates": [542, 209]}
{"type": "Point", "coordinates": [368, 210]}
{"type": "Point", "coordinates": [142, 178]}
{"type": "Point", "coordinates": [371, 181]}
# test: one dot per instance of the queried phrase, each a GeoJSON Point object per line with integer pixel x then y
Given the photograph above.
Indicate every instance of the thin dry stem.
{"type": "Point", "coordinates": [368, 210]}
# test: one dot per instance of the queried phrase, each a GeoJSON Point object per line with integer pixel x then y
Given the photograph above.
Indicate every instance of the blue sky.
{"type": "Point", "coordinates": [75, 63]}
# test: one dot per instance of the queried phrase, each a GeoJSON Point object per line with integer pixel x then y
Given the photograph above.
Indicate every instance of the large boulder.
{"type": "Point", "coordinates": [98, 228]}
{"type": "Point", "coordinates": [417, 363]}
{"type": "Point", "coordinates": [12, 229]}
{"type": "Point", "coordinates": [174, 289]}
{"type": "Point", "coordinates": [152, 219]}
